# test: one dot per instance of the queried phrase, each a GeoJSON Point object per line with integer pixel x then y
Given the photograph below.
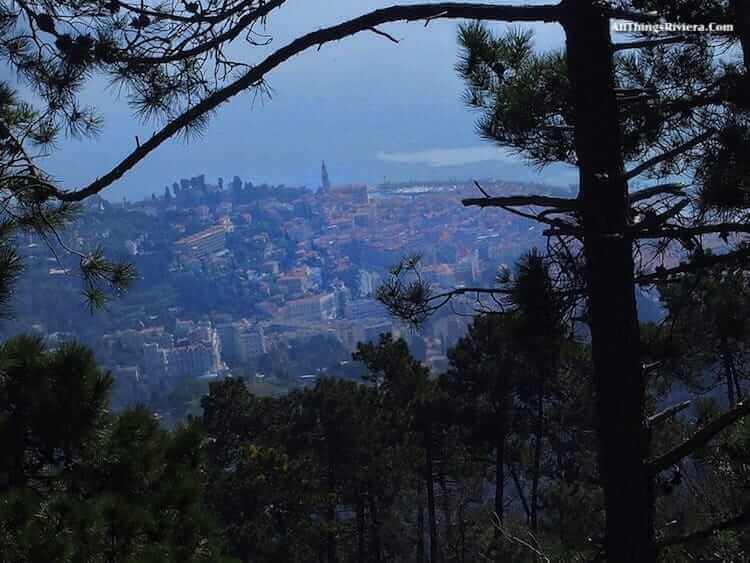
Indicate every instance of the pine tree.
{"type": "Point", "coordinates": [598, 105]}
{"type": "Point", "coordinates": [80, 484]}
{"type": "Point", "coordinates": [669, 108]}
{"type": "Point", "coordinates": [486, 370]}
{"type": "Point", "coordinates": [707, 316]}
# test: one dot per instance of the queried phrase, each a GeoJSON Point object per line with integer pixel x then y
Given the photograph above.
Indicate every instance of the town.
{"type": "Point", "coordinates": [275, 283]}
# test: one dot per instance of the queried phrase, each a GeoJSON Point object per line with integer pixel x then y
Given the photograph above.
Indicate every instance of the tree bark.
{"type": "Point", "coordinates": [615, 338]}
{"type": "Point", "coordinates": [430, 482]}
{"type": "Point", "coordinates": [331, 556]}
{"type": "Point", "coordinates": [534, 523]}
{"type": "Point", "coordinates": [375, 529]}
{"type": "Point", "coordinates": [420, 522]}
{"type": "Point", "coordinates": [447, 512]}
{"type": "Point", "coordinates": [742, 26]}
{"type": "Point", "coordinates": [727, 363]}
{"type": "Point", "coordinates": [500, 475]}
{"type": "Point", "coordinates": [360, 526]}
{"type": "Point", "coordinates": [521, 494]}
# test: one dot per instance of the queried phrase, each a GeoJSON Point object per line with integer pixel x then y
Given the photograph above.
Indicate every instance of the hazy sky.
{"type": "Point", "coordinates": [372, 109]}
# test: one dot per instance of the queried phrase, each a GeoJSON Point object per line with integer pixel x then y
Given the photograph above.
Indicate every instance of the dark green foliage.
{"type": "Point", "coordinates": [486, 371]}
{"type": "Point", "coordinates": [723, 177]}
{"type": "Point", "coordinates": [647, 106]}
{"type": "Point", "coordinates": [524, 96]}
{"type": "Point", "coordinates": [398, 468]}
{"type": "Point", "coordinates": [11, 269]}
{"type": "Point", "coordinates": [708, 326]}
{"type": "Point", "coordinates": [401, 464]}
{"type": "Point", "coordinates": [77, 484]}
{"type": "Point", "coordinates": [688, 10]}
{"type": "Point", "coordinates": [29, 209]}
{"type": "Point", "coordinates": [41, 431]}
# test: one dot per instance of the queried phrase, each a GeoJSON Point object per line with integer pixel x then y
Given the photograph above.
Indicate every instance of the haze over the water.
{"type": "Point", "coordinates": [372, 109]}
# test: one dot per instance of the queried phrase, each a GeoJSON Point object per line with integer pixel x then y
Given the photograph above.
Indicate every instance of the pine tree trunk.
{"type": "Point", "coordinates": [461, 547]}
{"type": "Point", "coordinates": [521, 494]}
{"type": "Point", "coordinates": [420, 522]}
{"type": "Point", "coordinates": [331, 536]}
{"type": "Point", "coordinates": [563, 488]}
{"type": "Point", "coordinates": [499, 490]}
{"type": "Point", "coordinates": [728, 368]}
{"type": "Point", "coordinates": [430, 481]}
{"type": "Point", "coordinates": [447, 512]}
{"type": "Point", "coordinates": [360, 527]}
{"type": "Point", "coordinates": [742, 26]}
{"type": "Point", "coordinates": [500, 476]}
{"type": "Point", "coordinates": [375, 529]}
{"type": "Point", "coordinates": [737, 387]}
{"type": "Point", "coordinates": [331, 518]}
{"type": "Point", "coordinates": [537, 455]}
{"type": "Point", "coordinates": [615, 338]}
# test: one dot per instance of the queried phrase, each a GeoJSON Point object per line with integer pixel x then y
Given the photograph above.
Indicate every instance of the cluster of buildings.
{"type": "Point", "coordinates": [205, 243]}
{"type": "Point", "coordinates": [161, 356]}
{"type": "Point", "coordinates": [282, 265]}
{"type": "Point", "coordinates": [241, 341]}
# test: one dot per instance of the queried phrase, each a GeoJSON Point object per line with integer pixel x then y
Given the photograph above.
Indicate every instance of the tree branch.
{"type": "Point", "coordinates": [698, 263]}
{"type": "Point", "coordinates": [742, 519]}
{"type": "Point", "coordinates": [648, 43]}
{"type": "Point", "coordinates": [230, 34]}
{"type": "Point", "coordinates": [465, 290]}
{"type": "Point", "coordinates": [673, 211]}
{"type": "Point", "coordinates": [630, 15]}
{"type": "Point", "coordinates": [662, 189]}
{"type": "Point", "coordinates": [674, 231]}
{"type": "Point", "coordinates": [560, 203]}
{"type": "Point", "coordinates": [700, 438]}
{"type": "Point", "coordinates": [544, 13]}
{"type": "Point", "coordinates": [388, 36]}
{"type": "Point", "coordinates": [675, 152]}
{"type": "Point", "coordinates": [667, 413]}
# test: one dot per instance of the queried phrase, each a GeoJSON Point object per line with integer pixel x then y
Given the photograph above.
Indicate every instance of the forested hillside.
{"type": "Point", "coordinates": [564, 427]}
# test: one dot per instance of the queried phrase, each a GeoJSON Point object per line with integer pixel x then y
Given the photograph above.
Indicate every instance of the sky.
{"type": "Point", "coordinates": [373, 110]}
